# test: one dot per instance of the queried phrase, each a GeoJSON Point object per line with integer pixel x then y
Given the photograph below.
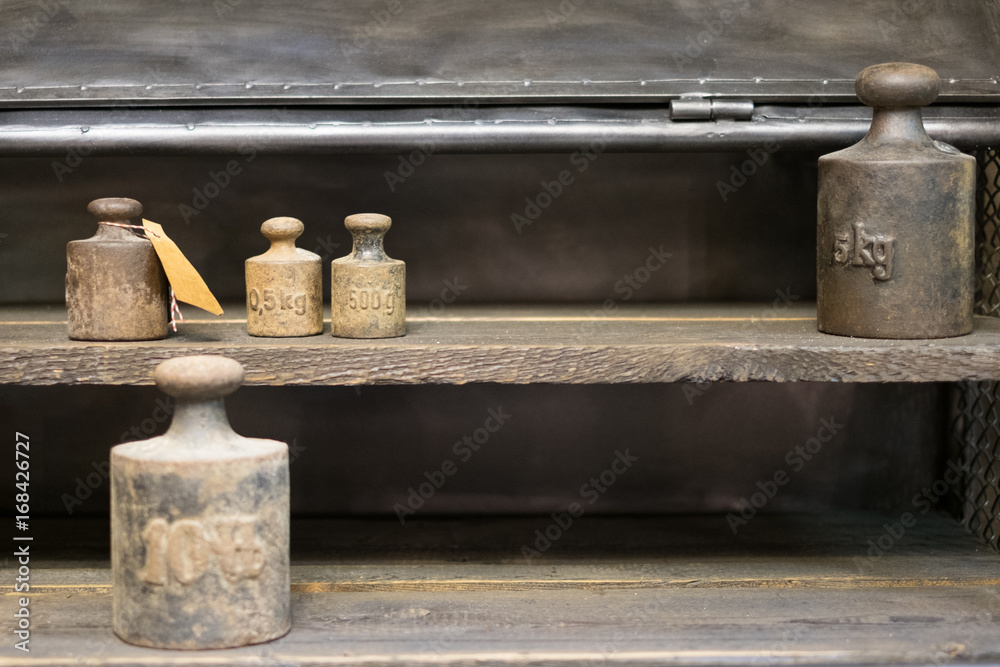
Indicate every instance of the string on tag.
{"type": "Point", "coordinates": [175, 310]}
{"type": "Point", "coordinates": [118, 224]}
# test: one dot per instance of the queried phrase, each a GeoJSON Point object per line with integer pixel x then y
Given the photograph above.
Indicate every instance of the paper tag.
{"type": "Point", "coordinates": [184, 278]}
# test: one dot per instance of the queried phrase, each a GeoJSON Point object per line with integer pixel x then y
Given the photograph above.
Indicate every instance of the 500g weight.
{"type": "Point", "coordinates": [375, 299]}
{"type": "Point", "coordinates": [368, 288]}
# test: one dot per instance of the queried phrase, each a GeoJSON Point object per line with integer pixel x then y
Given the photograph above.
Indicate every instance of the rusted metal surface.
{"type": "Point", "coordinates": [115, 285]}
{"type": "Point", "coordinates": [284, 285]}
{"type": "Point", "coordinates": [448, 52]}
{"type": "Point", "coordinates": [199, 522]}
{"type": "Point", "coordinates": [368, 289]}
{"type": "Point", "coordinates": [895, 241]}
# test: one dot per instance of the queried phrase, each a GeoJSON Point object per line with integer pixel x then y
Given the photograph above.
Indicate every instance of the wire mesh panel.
{"type": "Point", "coordinates": [976, 426]}
{"type": "Point", "coordinates": [988, 232]}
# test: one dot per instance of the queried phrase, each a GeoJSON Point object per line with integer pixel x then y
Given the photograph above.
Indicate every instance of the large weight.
{"type": "Point", "coordinates": [199, 522]}
{"type": "Point", "coordinates": [895, 237]}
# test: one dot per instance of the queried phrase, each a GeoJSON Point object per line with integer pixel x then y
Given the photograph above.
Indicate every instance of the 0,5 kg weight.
{"type": "Point", "coordinates": [284, 285]}
{"type": "Point", "coordinates": [268, 299]}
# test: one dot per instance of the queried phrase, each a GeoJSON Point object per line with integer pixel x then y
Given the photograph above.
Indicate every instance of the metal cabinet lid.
{"type": "Point", "coordinates": [183, 52]}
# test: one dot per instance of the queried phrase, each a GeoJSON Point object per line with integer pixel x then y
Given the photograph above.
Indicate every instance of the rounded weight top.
{"type": "Point", "coordinates": [199, 378]}
{"type": "Point", "coordinates": [282, 229]}
{"type": "Point", "coordinates": [897, 85]}
{"type": "Point", "coordinates": [115, 209]}
{"type": "Point", "coordinates": [368, 223]}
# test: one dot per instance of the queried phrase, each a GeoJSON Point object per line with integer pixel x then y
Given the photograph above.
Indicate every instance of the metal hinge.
{"type": "Point", "coordinates": [696, 107]}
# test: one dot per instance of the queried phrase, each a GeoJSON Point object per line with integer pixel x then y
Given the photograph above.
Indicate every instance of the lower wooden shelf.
{"type": "Point", "coordinates": [803, 589]}
{"type": "Point", "coordinates": [564, 344]}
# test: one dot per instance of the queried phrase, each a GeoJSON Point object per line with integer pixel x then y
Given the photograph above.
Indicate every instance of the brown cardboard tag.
{"type": "Point", "coordinates": [187, 284]}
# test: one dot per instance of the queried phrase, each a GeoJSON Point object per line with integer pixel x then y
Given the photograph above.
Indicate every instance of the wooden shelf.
{"type": "Point", "coordinates": [655, 590]}
{"type": "Point", "coordinates": [561, 344]}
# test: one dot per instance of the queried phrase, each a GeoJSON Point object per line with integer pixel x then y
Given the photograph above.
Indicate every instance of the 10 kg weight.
{"type": "Point", "coordinates": [183, 550]}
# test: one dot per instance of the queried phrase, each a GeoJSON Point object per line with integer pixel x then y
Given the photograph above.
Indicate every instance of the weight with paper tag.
{"type": "Point", "coordinates": [199, 522]}
{"type": "Point", "coordinates": [895, 237]}
{"type": "Point", "coordinates": [116, 289]}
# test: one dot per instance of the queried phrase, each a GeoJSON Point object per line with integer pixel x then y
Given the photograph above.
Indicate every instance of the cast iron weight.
{"type": "Point", "coordinates": [199, 522]}
{"type": "Point", "coordinates": [368, 289]}
{"type": "Point", "coordinates": [284, 285]}
{"type": "Point", "coordinates": [115, 286]}
{"type": "Point", "coordinates": [895, 238]}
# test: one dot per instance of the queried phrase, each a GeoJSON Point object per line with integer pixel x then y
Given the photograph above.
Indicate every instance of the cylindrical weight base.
{"type": "Point", "coordinates": [200, 547]}
{"type": "Point", "coordinates": [284, 299]}
{"type": "Point", "coordinates": [368, 300]}
{"type": "Point", "coordinates": [895, 246]}
{"type": "Point", "coordinates": [115, 291]}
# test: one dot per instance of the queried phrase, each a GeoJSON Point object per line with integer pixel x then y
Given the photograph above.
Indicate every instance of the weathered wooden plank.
{"type": "Point", "coordinates": [659, 590]}
{"type": "Point", "coordinates": [771, 550]}
{"type": "Point", "coordinates": [940, 625]}
{"type": "Point", "coordinates": [562, 345]}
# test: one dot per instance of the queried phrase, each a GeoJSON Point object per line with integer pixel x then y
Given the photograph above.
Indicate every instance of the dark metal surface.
{"type": "Point", "coordinates": [359, 450]}
{"type": "Point", "coordinates": [973, 473]}
{"type": "Point", "coordinates": [895, 241]}
{"type": "Point", "coordinates": [81, 133]}
{"type": "Point", "coordinates": [407, 51]}
{"type": "Point", "coordinates": [697, 107]}
{"type": "Point", "coordinates": [115, 285]}
{"type": "Point", "coordinates": [453, 213]}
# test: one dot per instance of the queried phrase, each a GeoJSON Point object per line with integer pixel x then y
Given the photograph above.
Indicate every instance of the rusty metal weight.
{"type": "Point", "coordinates": [115, 285]}
{"type": "Point", "coordinates": [895, 239]}
{"type": "Point", "coordinates": [199, 522]}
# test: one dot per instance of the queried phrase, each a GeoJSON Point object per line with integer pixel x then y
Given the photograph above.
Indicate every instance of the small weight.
{"type": "Point", "coordinates": [368, 289]}
{"type": "Point", "coordinates": [284, 285]}
{"type": "Point", "coordinates": [115, 285]}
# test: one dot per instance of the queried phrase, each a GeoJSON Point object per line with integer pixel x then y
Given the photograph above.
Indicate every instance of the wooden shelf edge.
{"type": "Point", "coordinates": [520, 345]}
